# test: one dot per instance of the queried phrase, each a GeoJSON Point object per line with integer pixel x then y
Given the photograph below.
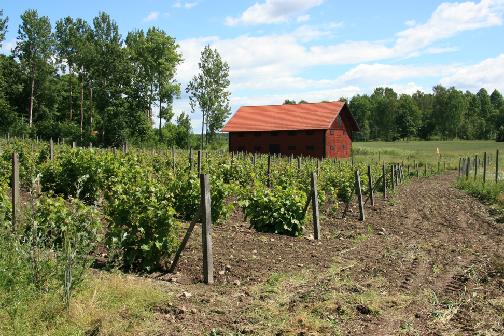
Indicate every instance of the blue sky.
{"type": "Point", "coordinates": [314, 49]}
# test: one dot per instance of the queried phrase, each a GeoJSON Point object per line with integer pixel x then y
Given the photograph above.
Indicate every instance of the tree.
{"type": "Point", "coordinates": [289, 102]}
{"type": "Point", "coordinates": [3, 27]}
{"type": "Point", "coordinates": [209, 91]}
{"type": "Point", "coordinates": [487, 113]}
{"type": "Point", "coordinates": [361, 109]}
{"type": "Point", "coordinates": [408, 117]}
{"type": "Point", "coordinates": [35, 48]}
{"type": "Point", "coordinates": [183, 131]}
{"type": "Point", "coordinates": [164, 59]}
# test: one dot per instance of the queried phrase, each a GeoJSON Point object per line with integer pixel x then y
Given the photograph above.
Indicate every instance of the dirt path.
{"type": "Point", "coordinates": [429, 261]}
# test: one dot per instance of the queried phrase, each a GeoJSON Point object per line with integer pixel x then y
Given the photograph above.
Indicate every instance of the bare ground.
{"type": "Point", "coordinates": [429, 261]}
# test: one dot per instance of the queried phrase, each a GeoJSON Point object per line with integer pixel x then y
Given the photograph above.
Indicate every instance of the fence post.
{"type": "Point", "coordinates": [475, 166]}
{"type": "Point", "coordinates": [459, 167]}
{"type": "Point", "coordinates": [438, 167]}
{"type": "Point", "coordinates": [74, 144]}
{"type": "Point", "coordinates": [51, 149]}
{"type": "Point", "coordinates": [392, 177]}
{"type": "Point", "coordinates": [484, 167]}
{"type": "Point", "coordinates": [206, 229]}
{"type": "Point", "coordinates": [15, 188]}
{"type": "Point", "coordinates": [299, 163]}
{"type": "Point", "coordinates": [315, 208]}
{"type": "Point", "coordinates": [468, 167]}
{"type": "Point", "coordinates": [370, 185]}
{"type": "Point", "coordinates": [384, 177]}
{"type": "Point", "coordinates": [199, 161]}
{"type": "Point", "coordinates": [358, 190]}
{"type": "Point", "coordinates": [497, 166]}
{"type": "Point", "coordinates": [318, 166]}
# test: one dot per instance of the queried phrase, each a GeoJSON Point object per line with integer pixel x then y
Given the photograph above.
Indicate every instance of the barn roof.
{"type": "Point", "coordinates": [287, 117]}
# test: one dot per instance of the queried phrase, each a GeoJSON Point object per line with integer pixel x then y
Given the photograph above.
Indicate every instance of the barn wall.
{"type": "Point", "coordinates": [305, 143]}
{"type": "Point", "coordinates": [338, 139]}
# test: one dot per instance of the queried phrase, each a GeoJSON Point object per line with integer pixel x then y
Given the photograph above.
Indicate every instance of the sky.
{"type": "Point", "coordinates": [313, 50]}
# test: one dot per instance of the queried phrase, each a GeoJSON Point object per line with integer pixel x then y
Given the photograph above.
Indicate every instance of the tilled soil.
{"type": "Point", "coordinates": [428, 261]}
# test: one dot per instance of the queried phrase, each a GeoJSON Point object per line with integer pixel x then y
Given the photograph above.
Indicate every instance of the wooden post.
{"type": "Point", "coordinates": [475, 166]}
{"type": "Point", "coordinates": [206, 229]}
{"type": "Point", "coordinates": [459, 167]}
{"type": "Point", "coordinates": [15, 188]}
{"type": "Point", "coordinates": [315, 208]}
{"type": "Point", "coordinates": [51, 149]}
{"type": "Point", "coordinates": [392, 176]}
{"type": "Point", "coordinates": [384, 177]}
{"type": "Point", "coordinates": [318, 166]}
{"type": "Point", "coordinates": [268, 173]}
{"type": "Point", "coordinates": [468, 167]}
{"type": "Point", "coordinates": [254, 158]}
{"type": "Point", "coordinates": [497, 166]}
{"type": "Point", "coordinates": [484, 167]}
{"type": "Point", "coordinates": [438, 167]}
{"type": "Point", "coordinates": [299, 162]}
{"type": "Point", "coordinates": [199, 161]}
{"type": "Point", "coordinates": [74, 144]}
{"type": "Point", "coordinates": [370, 185]}
{"type": "Point", "coordinates": [358, 190]}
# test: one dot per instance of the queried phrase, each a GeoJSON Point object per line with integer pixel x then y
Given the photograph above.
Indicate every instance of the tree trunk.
{"type": "Point", "coordinates": [71, 102]}
{"type": "Point", "coordinates": [81, 106]}
{"type": "Point", "coordinates": [160, 109]}
{"type": "Point", "coordinates": [31, 99]}
{"type": "Point", "coordinates": [149, 113]}
{"type": "Point", "coordinates": [202, 130]}
{"type": "Point", "coordinates": [91, 107]}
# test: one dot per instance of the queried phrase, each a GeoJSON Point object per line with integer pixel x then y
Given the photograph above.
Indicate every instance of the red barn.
{"type": "Point", "coordinates": [322, 130]}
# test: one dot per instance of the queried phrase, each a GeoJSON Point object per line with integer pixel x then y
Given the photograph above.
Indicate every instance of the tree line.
{"type": "Point", "coordinates": [83, 80]}
{"type": "Point", "coordinates": [446, 113]}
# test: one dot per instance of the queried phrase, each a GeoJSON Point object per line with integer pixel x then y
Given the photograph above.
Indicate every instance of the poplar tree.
{"type": "Point", "coordinates": [34, 48]}
{"type": "Point", "coordinates": [208, 90]}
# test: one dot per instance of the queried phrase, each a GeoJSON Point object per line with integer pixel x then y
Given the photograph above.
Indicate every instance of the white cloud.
{"type": "Point", "coordinates": [449, 19]}
{"type": "Point", "coordinates": [152, 16]}
{"type": "Point", "coordinates": [488, 74]}
{"type": "Point", "coordinates": [303, 18]}
{"type": "Point", "coordinates": [374, 74]}
{"type": "Point", "coordinates": [273, 11]}
{"type": "Point", "coordinates": [8, 46]}
{"type": "Point", "coordinates": [185, 4]}
{"type": "Point", "coordinates": [309, 96]}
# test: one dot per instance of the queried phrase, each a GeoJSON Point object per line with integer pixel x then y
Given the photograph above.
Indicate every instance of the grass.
{"type": "Point", "coordinates": [106, 304]}
{"type": "Point", "coordinates": [424, 151]}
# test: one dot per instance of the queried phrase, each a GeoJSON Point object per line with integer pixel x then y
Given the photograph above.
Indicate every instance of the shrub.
{"type": "Point", "coordinates": [142, 229]}
{"type": "Point", "coordinates": [278, 210]}
{"type": "Point", "coordinates": [187, 197]}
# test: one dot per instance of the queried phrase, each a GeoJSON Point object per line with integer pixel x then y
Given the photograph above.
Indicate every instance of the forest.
{"type": "Point", "coordinates": [84, 81]}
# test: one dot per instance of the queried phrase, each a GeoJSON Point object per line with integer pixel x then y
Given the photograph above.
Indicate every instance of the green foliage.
{"type": "Point", "coordinates": [75, 173]}
{"type": "Point", "coordinates": [276, 210]}
{"type": "Point", "coordinates": [489, 192]}
{"type": "Point", "coordinates": [142, 229]}
{"type": "Point", "coordinates": [208, 90]}
{"type": "Point", "coordinates": [187, 200]}
{"type": "Point", "coordinates": [46, 257]}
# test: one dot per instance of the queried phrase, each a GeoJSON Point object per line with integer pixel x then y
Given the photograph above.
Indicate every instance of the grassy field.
{"type": "Point", "coordinates": [424, 151]}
